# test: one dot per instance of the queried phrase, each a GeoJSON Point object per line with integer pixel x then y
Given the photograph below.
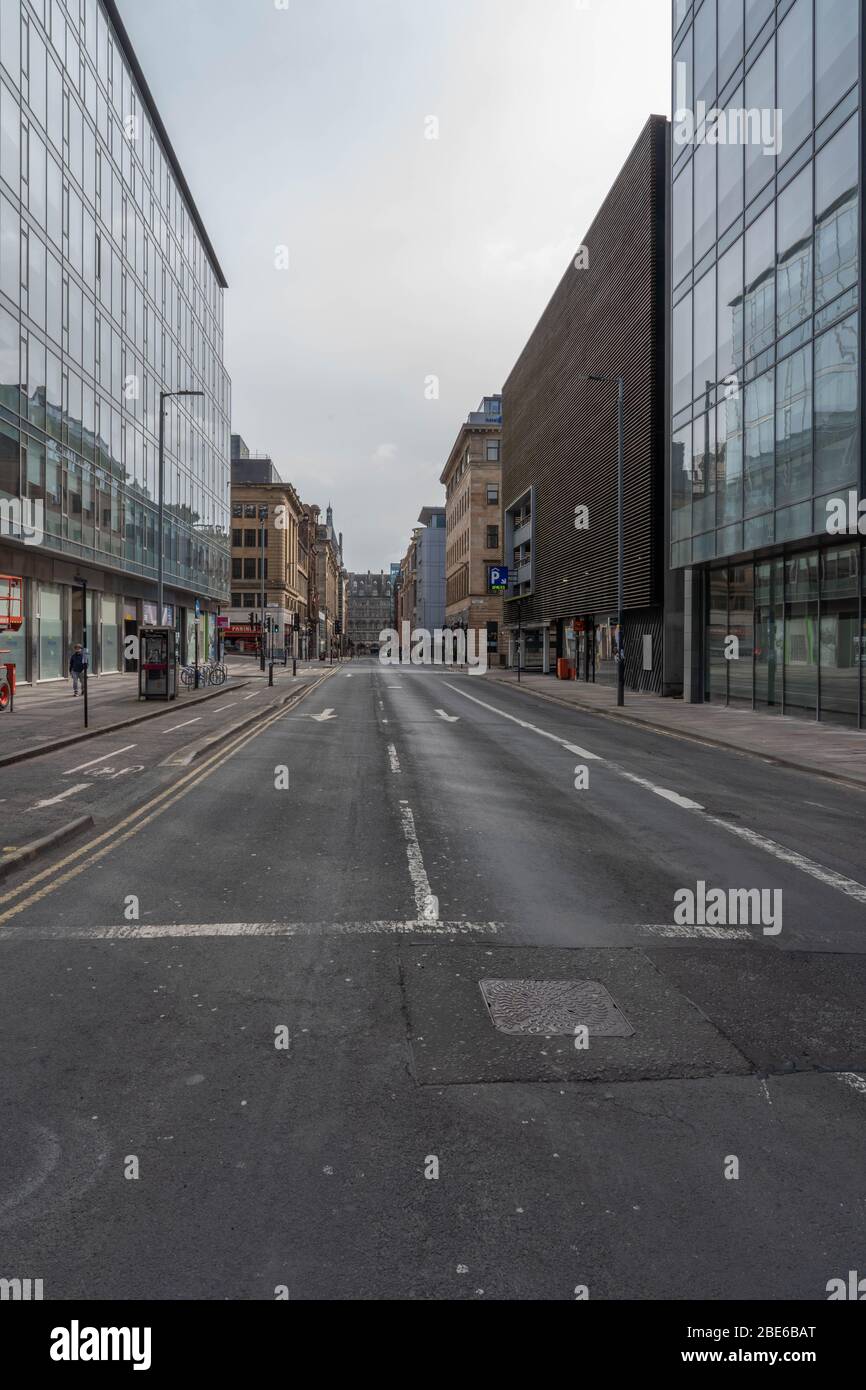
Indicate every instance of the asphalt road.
{"type": "Point", "coordinates": [262, 995]}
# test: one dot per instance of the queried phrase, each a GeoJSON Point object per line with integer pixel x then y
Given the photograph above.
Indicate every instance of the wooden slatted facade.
{"type": "Point", "coordinates": [560, 431]}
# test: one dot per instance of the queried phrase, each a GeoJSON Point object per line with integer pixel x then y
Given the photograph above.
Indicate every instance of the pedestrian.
{"type": "Point", "coordinates": [77, 667]}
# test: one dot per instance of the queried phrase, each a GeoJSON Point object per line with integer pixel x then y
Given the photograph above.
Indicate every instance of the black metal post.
{"type": "Point", "coordinates": [620, 509]}
{"type": "Point", "coordinates": [195, 625]}
{"type": "Point", "coordinates": [519, 635]}
{"type": "Point", "coordinates": [263, 512]}
{"type": "Point", "coordinates": [84, 647]}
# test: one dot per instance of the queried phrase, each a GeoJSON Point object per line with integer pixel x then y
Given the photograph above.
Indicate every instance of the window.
{"type": "Point", "coordinates": [760, 316]}
{"type": "Point", "coordinates": [705, 335]}
{"type": "Point", "coordinates": [730, 38]}
{"type": "Point", "coordinates": [249, 571]}
{"type": "Point", "coordinates": [835, 53]}
{"type": "Point", "coordinates": [250, 539]}
{"type": "Point", "coordinates": [730, 161]}
{"type": "Point", "coordinates": [729, 460]}
{"type": "Point", "coordinates": [237, 600]}
{"type": "Point", "coordinates": [759, 417]}
{"type": "Point", "coordinates": [705, 199]}
{"type": "Point", "coordinates": [491, 451]}
{"type": "Point", "coordinates": [757, 14]}
{"type": "Point", "coordinates": [794, 428]}
{"type": "Point", "coordinates": [730, 313]}
{"type": "Point", "coordinates": [237, 538]}
{"type": "Point", "coordinates": [237, 509]}
{"type": "Point", "coordinates": [794, 98]}
{"type": "Point", "coordinates": [705, 52]}
{"type": "Point", "coordinates": [249, 510]}
{"type": "Point", "coordinates": [237, 571]}
{"type": "Point", "coordinates": [836, 212]}
{"type": "Point", "coordinates": [836, 434]}
{"type": "Point", "coordinates": [794, 266]}
{"type": "Point", "coordinates": [492, 538]}
{"type": "Point", "coordinates": [760, 96]}
{"type": "Point", "coordinates": [681, 353]}
{"type": "Point", "coordinates": [682, 224]}
{"type": "Point", "coordinates": [492, 494]}
{"type": "Point", "coordinates": [681, 484]}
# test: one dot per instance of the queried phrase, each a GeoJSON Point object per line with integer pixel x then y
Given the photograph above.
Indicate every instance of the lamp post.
{"type": "Point", "coordinates": [620, 512]}
{"type": "Point", "coordinates": [263, 517]}
{"type": "Point", "coordinates": [163, 397]}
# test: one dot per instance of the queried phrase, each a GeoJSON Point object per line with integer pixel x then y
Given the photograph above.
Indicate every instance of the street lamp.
{"type": "Point", "coordinates": [620, 495]}
{"type": "Point", "coordinates": [163, 397]}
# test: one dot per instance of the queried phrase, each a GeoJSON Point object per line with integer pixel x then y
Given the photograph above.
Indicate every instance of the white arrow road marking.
{"type": "Point", "coordinates": [52, 801]}
{"type": "Point", "coordinates": [94, 761]}
{"type": "Point", "coordinates": [449, 718]}
{"type": "Point", "coordinates": [324, 717]}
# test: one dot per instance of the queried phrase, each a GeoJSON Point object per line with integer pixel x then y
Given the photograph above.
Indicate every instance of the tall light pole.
{"type": "Point", "coordinates": [620, 514]}
{"type": "Point", "coordinates": [163, 397]}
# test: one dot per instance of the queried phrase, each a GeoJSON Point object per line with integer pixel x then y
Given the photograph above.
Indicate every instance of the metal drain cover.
{"type": "Point", "coordinates": [554, 1007]}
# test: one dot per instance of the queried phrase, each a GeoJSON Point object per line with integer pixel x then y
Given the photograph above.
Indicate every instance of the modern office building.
{"type": "Point", "coordinates": [767, 360]}
{"type": "Point", "coordinates": [606, 318]}
{"type": "Point", "coordinates": [472, 478]}
{"type": "Point", "coordinates": [110, 292]}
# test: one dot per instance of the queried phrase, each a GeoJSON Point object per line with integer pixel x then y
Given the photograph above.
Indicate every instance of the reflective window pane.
{"type": "Point", "coordinates": [761, 126]}
{"type": "Point", "coordinates": [835, 52]}
{"type": "Point", "coordinates": [836, 434]}
{"type": "Point", "coordinates": [705, 52]}
{"type": "Point", "coordinates": [682, 225]}
{"type": "Point", "coordinates": [704, 165]}
{"type": "Point", "coordinates": [681, 353]}
{"type": "Point", "coordinates": [836, 211]}
{"type": "Point", "coordinates": [729, 460]}
{"type": "Point", "coordinates": [794, 428]}
{"type": "Point", "coordinates": [730, 313]}
{"type": "Point", "coordinates": [794, 239]}
{"type": "Point", "coordinates": [730, 37]}
{"type": "Point", "coordinates": [794, 97]}
{"type": "Point", "coordinates": [730, 162]}
{"type": "Point", "coordinates": [760, 305]}
{"type": "Point", "coordinates": [759, 412]}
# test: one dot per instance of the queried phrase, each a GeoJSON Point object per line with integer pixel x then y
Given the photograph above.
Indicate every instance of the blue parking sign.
{"type": "Point", "coordinates": [498, 578]}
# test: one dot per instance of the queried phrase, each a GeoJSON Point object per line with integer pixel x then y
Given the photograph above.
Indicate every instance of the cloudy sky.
{"type": "Point", "coordinates": [303, 124]}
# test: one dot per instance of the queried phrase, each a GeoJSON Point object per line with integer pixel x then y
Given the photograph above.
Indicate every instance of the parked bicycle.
{"type": "Point", "coordinates": [210, 673]}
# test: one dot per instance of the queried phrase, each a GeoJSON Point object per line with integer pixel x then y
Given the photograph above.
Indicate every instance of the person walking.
{"type": "Point", "coordinates": [77, 665]}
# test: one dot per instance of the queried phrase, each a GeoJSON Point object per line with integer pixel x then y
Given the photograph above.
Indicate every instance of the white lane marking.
{"type": "Point", "coordinates": [425, 901]}
{"type": "Point", "coordinates": [94, 761]}
{"type": "Point", "coordinates": [175, 727]}
{"type": "Point", "coordinates": [713, 933]}
{"type": "Point", "coordinates": [253, 696]}
{"type": "Point", "coordinates": [449, 718]}
{"type": "Point", "coordinates": [393, 687]}
{"type": "Point", "coordinates": [325, 717]}
{"type": "Point", "coordinates": [849, 886]}
{"type": "Point", "coordinates": [393, 759]}
{"type": "Point", "coordinates": [222, 708]}
{"type": "Point", "coordinates": [829, 877]}
{"type": "Point", "coordinates": [857, 1083]}
{"type": "Point", "coordinates": [675, 797]}
{"type": "Point", "coordinates": [393, 928]}
{"type": "Point", "coordinates": [82, 786]}
{"type": "Point", "coordinates": [524, 724]}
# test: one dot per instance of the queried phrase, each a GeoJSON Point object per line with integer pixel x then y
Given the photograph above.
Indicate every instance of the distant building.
{"type": "Point", "coordinates": [251, 468]}
{"type": "Point", "coordinates": [429, 572]}
{"type": "Point", "coordinates": [268, 576]}
{"type": "Point", "coordinates": [472, 478]}
{"type": "Point", "coordinates": [371, 608]}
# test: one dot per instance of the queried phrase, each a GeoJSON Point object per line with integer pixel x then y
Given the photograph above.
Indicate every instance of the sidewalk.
{"type": "Point", "coordinates": [45, 716]}
{"type": "Point", "coordinates": [804, 745]}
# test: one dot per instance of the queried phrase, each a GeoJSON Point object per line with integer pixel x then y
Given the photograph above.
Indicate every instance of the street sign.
{"type": "Point", "coordinates": [498, 579]}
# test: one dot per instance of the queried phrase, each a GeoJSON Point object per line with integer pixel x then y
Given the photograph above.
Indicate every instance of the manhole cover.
{"type": "Point", "coordinates": [553, 1007]}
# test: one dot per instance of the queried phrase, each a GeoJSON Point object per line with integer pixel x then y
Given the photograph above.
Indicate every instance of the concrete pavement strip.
{"type": "Point", "coordinates": [27, 853]}
{"type": "Point", "coordinates": [39, 750]}
{"type": "Point", "coordinates": [46, 843]}
{"type": "Point", "coordinates": [638, 722]}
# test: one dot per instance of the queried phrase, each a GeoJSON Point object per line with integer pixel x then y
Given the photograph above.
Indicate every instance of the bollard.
{"type": "Point", "coordinates": [271, 674]}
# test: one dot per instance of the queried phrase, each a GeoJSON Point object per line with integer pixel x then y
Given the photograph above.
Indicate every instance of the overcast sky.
{"type": "Point", "coordinates": [301, 123]}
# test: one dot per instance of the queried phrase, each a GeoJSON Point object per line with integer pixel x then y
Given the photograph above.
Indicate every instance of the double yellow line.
{"type": "Point", "coordinates": [56, 875]}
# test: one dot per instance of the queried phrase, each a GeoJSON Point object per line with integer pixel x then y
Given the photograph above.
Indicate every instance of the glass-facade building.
{"type": "Point", "coordinates": [766, 352]}
{"type": "Point", "coordinates": [110, 292]}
